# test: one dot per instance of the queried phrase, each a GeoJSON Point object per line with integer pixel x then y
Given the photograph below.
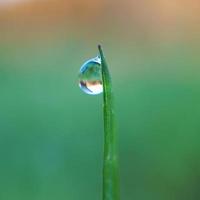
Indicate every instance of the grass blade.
{"type": "Point", "coordinates": [110, 160]}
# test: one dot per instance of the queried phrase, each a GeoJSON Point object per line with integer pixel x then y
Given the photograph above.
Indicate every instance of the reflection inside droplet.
{"type": "Point", "coordinates": [90, 78]}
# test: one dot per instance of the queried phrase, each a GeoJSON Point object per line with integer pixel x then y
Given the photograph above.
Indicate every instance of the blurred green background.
{"type": "Point", "coordinates": [51, 133]}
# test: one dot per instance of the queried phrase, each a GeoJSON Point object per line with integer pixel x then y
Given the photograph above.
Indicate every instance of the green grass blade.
{"type": "Point", "coordinates": [110, 161]}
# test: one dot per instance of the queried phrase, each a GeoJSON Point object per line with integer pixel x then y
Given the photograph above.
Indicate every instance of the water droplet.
{"type": "Point", "coordinates": [90, 78]}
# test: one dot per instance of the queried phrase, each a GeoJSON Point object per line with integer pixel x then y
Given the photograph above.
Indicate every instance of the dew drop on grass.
{"type": "Point", "coordinates": [90, 78]}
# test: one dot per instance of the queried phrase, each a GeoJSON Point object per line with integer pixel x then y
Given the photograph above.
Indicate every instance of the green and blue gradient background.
{"type": "Point", "coordinates": [51, 133]}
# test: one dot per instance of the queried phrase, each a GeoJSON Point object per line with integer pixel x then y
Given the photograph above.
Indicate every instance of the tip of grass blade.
{"type": "Point", "coordinates": [101, 53]}
{"type": "Point", "coordinates": [99, 46]}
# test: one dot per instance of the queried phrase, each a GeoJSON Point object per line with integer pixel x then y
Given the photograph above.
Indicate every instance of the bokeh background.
{"type": "Point", "coordinates": [51, 133]}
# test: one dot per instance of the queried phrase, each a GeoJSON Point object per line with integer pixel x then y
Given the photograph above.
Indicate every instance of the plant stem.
{"type": "Point", "coordinates": [110, 160]}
